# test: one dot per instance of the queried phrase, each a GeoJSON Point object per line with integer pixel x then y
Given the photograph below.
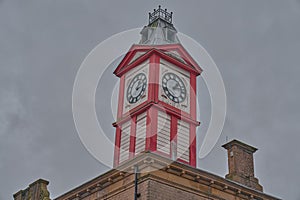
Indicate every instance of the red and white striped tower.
{"type": "Point", "coordinates": [157, 95]}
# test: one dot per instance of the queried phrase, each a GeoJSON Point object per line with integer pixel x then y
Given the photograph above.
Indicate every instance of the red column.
{"type": "Point", "coordinates": [192, 149]}
{"type": "Point", "coordinates": [193, 111]}
{"type": "Point", "coordinates": [173, 137]}
{"type": "Point", "coordinates": [121, 97]}
{"type": "Point", "coordinates": [152, 113]}
{"type": "Point", "coordinates": [156, 66]}
{"type": "Point", "coordinates": [193, 91]}
{"type": "Point", "coordinates": [117, 146]}
{"type": "Point", "coordinates": [132, 137]}
{"type": "Point", "coordinates": [153, 78]}
{"type": "Point", "coordinates": [151, 134]}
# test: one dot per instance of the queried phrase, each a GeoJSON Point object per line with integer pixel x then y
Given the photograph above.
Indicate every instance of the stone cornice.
{"type": "Point", "coordinates": [155, 167]}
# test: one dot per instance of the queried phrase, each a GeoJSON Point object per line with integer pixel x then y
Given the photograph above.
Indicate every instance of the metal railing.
{"type": "Point", "coordinates": [160, 13]}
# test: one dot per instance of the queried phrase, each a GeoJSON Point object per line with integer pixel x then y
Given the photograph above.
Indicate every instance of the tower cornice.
{"type": "Point", "coordinates": [188, 62]}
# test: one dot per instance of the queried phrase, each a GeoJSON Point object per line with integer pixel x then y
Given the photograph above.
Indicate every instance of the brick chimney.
{"type": "Point", "coordinates": [241, 165]}
{"type": "Point", "coordinates": [36, 190]}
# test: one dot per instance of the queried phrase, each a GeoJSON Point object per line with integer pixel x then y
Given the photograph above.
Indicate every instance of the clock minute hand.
{"type": "Point", "coordinates": [138, 86]}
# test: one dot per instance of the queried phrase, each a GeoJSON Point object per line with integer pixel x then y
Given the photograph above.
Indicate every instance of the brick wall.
{"type": "Point", "coordinates": [160, 191]}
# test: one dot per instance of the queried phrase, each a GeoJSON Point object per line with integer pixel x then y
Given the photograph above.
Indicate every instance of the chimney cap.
{"type": "Point", "coordinates": [239, 144]}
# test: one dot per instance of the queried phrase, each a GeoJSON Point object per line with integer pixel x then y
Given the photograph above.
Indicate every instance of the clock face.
{"type": "Point", "coordinates": [136, 88]}
{"type": "Point", "coordinates": [174, 87]}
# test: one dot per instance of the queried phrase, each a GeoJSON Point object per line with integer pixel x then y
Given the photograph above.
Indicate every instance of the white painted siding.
{"type": "Point", "coordinates": [125, 141]}
{"type": "Point", "coordinates": [140, 141]}
{"type": "Point", "coordinates": [183, 133]}
{"type": "Point", "coordinates": [137, 55]}
{"type": "Point", "coordinates": [163, 132]}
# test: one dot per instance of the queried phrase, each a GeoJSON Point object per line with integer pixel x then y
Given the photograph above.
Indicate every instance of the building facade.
{"type": "Point", "coordinates": [155, 143]}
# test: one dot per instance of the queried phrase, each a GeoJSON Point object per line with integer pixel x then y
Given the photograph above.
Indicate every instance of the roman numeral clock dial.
{"type": "Point", "coordinates": [174, 87]}
{"type": "Point", "coordinates": [136, 88]}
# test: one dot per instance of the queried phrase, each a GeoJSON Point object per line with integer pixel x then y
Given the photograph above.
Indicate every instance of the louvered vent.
{"type": "Point", "coordinates": [163, 132]}
{"type": "Point", "coordinates": [183, 140]}
{"type": "Point", "coordinates": [125, 141]}
{"type": "Point", "coordinates": [140, 133]}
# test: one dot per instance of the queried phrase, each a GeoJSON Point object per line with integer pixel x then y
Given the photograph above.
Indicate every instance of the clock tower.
{"type": "Point", "coordinates": [157, 115]}
{"type": "Point", "coordinates": [157, 95]}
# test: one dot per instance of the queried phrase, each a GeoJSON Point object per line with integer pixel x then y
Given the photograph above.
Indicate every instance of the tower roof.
{"type": "Point", "coordinates": [160, 29]}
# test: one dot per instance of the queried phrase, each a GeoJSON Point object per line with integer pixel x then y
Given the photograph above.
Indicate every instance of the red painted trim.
{"type": "Point", "coordinates": [193, 96]}
{"type": "Point", "coordinates": [172, 109]}
{"type": "Point", "coordinates": [178, 63]}
{"type": "Point", "coordinates": [161, 54]}
{"type": "Point", "coordinates": [148, 131]}
{"type": "Point", "coordinates": [187, 57]}
{"type": "Point", "coordinates": [126, 59]}
{"type": "Point", "coordinates": [183, 161]}
{"type": "Point", "coordinates": [176, 112]}
{"type": "Point", "coordinates": [117, 146]}
{"type": "Point", "coordinates": [173, 134]}
{"type": "Point", "coordinates": [132, 137]}
{"type": "Point", "coordinates": [156, 66]}
{"type": "Point", "coordinates": [154, 124]}
{"type": "Point", "coordinates": [151, 130]}
{"type": "Point", "coordinates": [172, 47]}
{"type": "Point", "coordinates": [138, 61]}
{"type": "Point", "coordinates": [138, 109]}
{"type": "Point", "coordinates": [193, 107]}
{"type": "Point", "coordinates": [184, 53]}
{"type": "Point", "coordinates": [121, 97]}
{"type": "Point", "coordinates": [151, 78]}
{"type": "Point", "coordinates": [192, 149]}
{"type": "Point", "coordinates": [152, 104]}
{"type": "Point", "coordinates": [135, 111]}
{"type": "Point", "coordinates": [160, 106]}
{"type": "Point", "coordinates": [153, 81]}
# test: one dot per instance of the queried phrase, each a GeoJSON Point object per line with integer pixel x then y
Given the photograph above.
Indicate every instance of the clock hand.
{"type": "Point", "coordinates": [137, 88]}
{"type": "Point", "coordinates": [172, 92]}
{"type": "Point", "coordinates": [176, 86]}
{"type": "Point", "coordinates": [139, 85]}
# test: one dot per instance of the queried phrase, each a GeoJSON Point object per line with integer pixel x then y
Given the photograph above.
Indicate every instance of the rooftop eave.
{"type": "Point", "coordinates": [148, 163]}
{"type": "Point", "coordinates": [159, 49]}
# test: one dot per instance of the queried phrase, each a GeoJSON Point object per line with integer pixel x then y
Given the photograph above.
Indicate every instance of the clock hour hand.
{"type": "Point", "coordinates": [176, 87]}
{"type": "Point", "coordinates": [137, 88]}
{"type": "Point", "coordinates": [139, 85]}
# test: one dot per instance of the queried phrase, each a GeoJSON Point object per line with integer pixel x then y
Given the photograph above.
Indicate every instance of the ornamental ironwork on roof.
{"type": "Point", "coordinates": [160, 14]}
{"type": "Point", "coordinates": [160, 29]}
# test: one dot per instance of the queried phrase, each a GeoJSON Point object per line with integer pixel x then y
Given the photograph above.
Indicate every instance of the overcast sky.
{"type": "Point", "coordinates": [254, 43]}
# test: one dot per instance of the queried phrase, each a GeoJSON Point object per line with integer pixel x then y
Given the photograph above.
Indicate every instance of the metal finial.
{"type": "Point", "coordinates": [160, 14]}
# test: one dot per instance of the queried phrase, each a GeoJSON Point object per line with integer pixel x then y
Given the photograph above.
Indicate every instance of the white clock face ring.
{"type": "Point", "coordinates": [174, 87]}
{"type": "Point", "coordinates": [136, 88]}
